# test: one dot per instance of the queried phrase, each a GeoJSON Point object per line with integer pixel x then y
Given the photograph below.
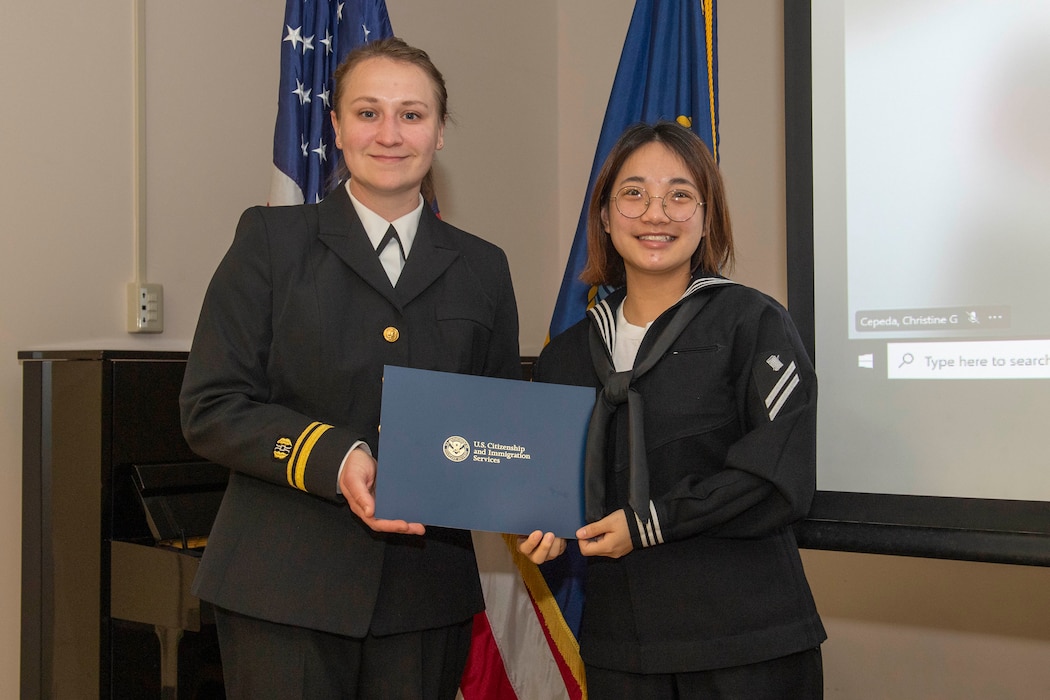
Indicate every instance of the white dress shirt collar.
{"type": "Point", "coordinates": [376, 226]}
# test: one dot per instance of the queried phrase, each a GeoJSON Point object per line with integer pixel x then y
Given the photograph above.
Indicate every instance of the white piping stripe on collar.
{"type": "Point", "coordinates": [605, 316]}
{"type": "Point", "coordinates": [703, 282]}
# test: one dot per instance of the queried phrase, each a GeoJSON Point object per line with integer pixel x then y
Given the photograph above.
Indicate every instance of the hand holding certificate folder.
{"type": "Point", "coordinates": [481, 453]}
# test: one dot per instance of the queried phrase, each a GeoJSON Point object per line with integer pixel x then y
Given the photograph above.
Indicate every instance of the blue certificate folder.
{"type": "Point", "coordinates": [480, 453]}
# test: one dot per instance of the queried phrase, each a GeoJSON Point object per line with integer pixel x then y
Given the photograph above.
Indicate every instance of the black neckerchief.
{"type": "Point", "coordinates": [617, 389]}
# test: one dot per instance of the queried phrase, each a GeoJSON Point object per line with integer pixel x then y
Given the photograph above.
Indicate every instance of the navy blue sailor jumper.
{"type": "Point", "coordinates": [715, 578]}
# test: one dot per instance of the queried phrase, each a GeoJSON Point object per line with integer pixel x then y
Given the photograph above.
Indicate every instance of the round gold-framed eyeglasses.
{"type": "Point", "coordinates": [633, 201]}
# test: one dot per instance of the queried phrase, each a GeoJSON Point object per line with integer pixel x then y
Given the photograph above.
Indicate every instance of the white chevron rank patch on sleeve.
{"type": "Point", "coordinates": [776, 378]}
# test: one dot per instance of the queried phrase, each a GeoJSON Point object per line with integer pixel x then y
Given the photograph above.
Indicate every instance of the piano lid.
{"type": "Point", "coordinates": [181, 500]}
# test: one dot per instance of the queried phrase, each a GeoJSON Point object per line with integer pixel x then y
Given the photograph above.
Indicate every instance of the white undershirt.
{"type": "Point", "coordinates": [628, 338]}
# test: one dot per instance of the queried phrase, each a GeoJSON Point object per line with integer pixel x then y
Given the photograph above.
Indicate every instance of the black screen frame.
{"type": "Point", "coordinates": [969, 529]}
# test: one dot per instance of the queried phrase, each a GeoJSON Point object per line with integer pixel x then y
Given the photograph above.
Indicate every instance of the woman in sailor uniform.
{"type": "Point", "coordinates": [701, 447]}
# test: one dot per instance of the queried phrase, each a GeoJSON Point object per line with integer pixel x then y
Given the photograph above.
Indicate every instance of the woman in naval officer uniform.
{"type": "Point", "coordinates": [315, 597]}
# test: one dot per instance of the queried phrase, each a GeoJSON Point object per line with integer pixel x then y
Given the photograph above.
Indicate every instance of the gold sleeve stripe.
{"type": "Point", "coordinates": [301, 454]}
{"type": "Point", "coordinates": [295, 452]}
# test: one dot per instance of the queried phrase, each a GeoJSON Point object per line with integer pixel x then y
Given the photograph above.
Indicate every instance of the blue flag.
{"type": "Point", "coordinates": [316, 37]}
{"type": "Point", "coordinates": [668, 70]}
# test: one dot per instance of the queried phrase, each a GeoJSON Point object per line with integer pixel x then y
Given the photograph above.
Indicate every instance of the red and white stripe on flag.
{"type": "Point", "coordinates": [513, 654]}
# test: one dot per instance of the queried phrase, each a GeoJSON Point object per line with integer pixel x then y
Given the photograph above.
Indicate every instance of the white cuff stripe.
{"type": "Point", "coordinates": [650, 534]}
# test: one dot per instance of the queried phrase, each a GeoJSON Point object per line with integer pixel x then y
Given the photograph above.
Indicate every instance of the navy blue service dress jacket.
{"type": "Point", "coordinates": [285, 375]}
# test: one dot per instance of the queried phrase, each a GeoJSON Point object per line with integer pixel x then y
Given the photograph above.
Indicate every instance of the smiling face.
{"type": "Point", "coordinates": [653, 244]}
{"type": "Point", "coordinates": [388, 125]}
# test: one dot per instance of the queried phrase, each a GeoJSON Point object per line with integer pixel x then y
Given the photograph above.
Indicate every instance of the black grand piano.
{"type": "Point", "coordinates": [116, 512]}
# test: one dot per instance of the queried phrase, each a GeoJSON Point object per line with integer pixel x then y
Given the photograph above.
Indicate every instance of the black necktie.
{"type": "Point", "coordinates": [391, 235]}
{"type": "Point", "coordinates": [618, 389]}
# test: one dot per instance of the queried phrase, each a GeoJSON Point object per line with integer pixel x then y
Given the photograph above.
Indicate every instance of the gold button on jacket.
{"type": "Point", "coordinates": [391, 334]}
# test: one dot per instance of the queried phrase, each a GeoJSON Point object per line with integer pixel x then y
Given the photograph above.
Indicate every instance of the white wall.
{"type": "Point", "coordinates": [528, 85]}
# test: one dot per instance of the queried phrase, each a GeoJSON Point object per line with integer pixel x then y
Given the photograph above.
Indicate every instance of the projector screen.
{"type": "Point", "coordinates": [919, 238]}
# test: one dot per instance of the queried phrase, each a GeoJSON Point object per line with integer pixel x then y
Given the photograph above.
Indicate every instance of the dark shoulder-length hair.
{"type": "Point", "coordinates": [715, 252]}
{"type": "Point", "coordinates": [393, 49]}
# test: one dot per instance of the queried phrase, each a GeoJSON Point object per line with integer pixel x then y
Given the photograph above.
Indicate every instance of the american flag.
{"type": "Point", "coordinates": [316, 37]}
{"type": "Point", "coordinates": [521, 646]}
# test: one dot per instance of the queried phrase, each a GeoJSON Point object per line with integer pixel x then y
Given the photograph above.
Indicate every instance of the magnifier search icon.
{"type": "Point", "coordinates": [906, 359]}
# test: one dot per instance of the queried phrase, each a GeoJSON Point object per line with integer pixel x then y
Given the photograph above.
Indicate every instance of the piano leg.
{"type": "Point", "coordinates": [169, 661]}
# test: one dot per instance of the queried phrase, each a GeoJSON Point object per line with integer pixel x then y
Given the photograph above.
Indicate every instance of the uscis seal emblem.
{"type": "Point", "coordinates": [282, 449]}
{"type": "Point", "coordinates": [456, 449]}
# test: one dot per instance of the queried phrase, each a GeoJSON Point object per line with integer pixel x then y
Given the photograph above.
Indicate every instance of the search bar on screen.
{"type": "Point", "coordinates": [980, 359]}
